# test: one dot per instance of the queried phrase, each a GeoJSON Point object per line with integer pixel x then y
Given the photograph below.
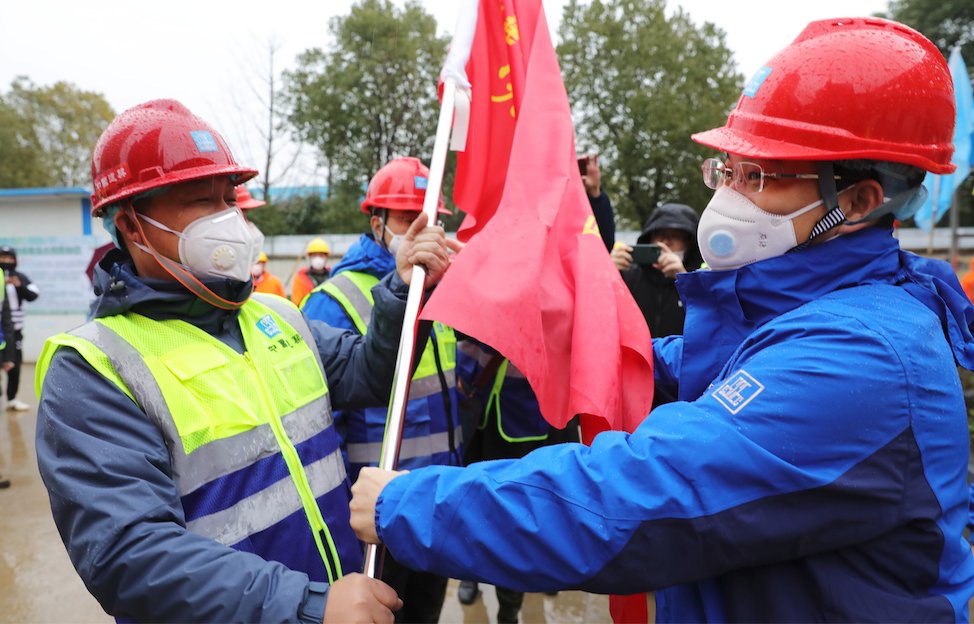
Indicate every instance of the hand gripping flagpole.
{"type": "Point", "coordinates": [456, 101]}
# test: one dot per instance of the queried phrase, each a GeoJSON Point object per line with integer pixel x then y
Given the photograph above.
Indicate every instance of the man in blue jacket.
{"type": "Point", "coordinates": [184, 433]}
{"type": "Point", "coordinates": [431, 429]}
{"type": "Point", "coordinates": [813, 467]}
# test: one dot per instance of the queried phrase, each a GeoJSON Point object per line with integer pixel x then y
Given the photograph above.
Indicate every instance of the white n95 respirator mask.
{"type": "Point", "coordinates": [218, 245]}
{"type": "Point", "coordinates": [735, 232]}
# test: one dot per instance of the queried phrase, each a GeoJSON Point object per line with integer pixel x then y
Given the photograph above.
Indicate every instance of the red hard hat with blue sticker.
{"type": "Point", "coordinates": [849, 88]}
{"type": "Point", "coordinates": [157, 144]}
{"type": "Point", "coordinates": [400, 185]}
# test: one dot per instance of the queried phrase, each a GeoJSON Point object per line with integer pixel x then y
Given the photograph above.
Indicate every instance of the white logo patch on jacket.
{"type": "Point", "coordinates": [739, 390]}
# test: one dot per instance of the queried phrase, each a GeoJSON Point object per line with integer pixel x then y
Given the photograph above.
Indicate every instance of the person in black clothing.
{"type": "Point", "coordinates": [19, 290]}
{"type": "Point", "coordinates": [674, 228]}
{"type": "Point", "coordinates": [7, 358]}
{"type": "Point", "coordinates": [598, 200]}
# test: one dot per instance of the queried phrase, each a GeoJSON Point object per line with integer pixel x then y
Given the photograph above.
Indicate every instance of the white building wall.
{"type": "Point", "coordinates": [54, 240]}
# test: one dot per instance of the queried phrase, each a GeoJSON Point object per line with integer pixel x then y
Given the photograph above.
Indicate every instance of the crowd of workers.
{"type": "Point", "coordinates": [805, 457]}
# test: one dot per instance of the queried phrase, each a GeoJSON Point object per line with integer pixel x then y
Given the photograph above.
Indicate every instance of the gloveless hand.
{"type": "Point", "coordinates": [365, 495]}
{"type": "Point", "coordinates": [358, 598]}
{"type": "Point", "coordinates": [669, 264]}
{"type": "Point", "coordinates": [427, 246]}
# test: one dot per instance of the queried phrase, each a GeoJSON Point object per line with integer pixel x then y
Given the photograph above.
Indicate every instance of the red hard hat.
{"type": "Point", "coordinates": [400, 185]}
{"type": "Point", "coordinates": [246, 201]}
{"type": "Point", "coordinates": [850, 88]}
{"type": "Point", "coordinates": [157, 144]}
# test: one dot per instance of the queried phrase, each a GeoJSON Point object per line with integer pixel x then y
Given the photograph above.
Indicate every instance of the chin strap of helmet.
{"type": "Point", "coordinates": [180, 273]}
{"type": "Point", "coordinates": [834, 217]}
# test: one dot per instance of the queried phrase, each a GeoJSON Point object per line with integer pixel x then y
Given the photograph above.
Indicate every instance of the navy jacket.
{"type": "Point", "coordinates": [814, 468]}
{"type": "Point", "coordinates": [107, 471]}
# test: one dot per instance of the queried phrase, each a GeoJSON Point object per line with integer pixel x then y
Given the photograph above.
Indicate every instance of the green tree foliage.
{"type": "Point", "coordinates": [65, 123]}
{"type": "Point", "coordinates": [20, 162]}
{"type": "Point", "coordinates": [309, 214]}
{"type": "Point", "coordinates": [370, 97]}
{"type": "Point", "coordinates": [640, 83]}
{"type": "Point", "coordinates": [945, 22]}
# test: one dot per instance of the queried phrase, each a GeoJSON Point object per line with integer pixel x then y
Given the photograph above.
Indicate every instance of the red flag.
{"type": "Point", "coordinates": [497, 68]}
{"type": "Point", "coordinates": [536, 282]}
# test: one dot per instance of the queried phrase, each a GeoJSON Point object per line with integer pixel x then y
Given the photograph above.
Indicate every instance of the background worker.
{"type": "Point", "coordinates": [19, 290]}
{"type": "Point", "coordinates": [673, 227]}
{"type": "Point", "coordinates": [588, 167]}
{"type": "Point", "coordinates": [246, 201]}
{"type": "Point", "coordinates": [814, 467]}
{"type": "Point", "coordinates": [264, 280]}
{"type": "Point", "coordinates": [313, 274]}
{"type": "Point", "coordinates": [431, 430]}
{"type": "Point", "coordinates": [185, 433]}
{"type": "Point", "coordinates": [6, 347]}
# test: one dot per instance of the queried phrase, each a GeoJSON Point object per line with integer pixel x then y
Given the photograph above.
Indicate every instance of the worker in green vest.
{"type": "Point", "coordinates": [185, 433]}
{"type": "Point", "coordinates": [431, 430]}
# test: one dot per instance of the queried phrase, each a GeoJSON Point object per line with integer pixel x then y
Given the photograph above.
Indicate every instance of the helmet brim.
{"type": "Point", "coordinates": [241, 176]}
{"type": "Point", "coordinates": [749, 145]}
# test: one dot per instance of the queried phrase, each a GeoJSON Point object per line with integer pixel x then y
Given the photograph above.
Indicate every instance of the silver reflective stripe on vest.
{"type": "Point", "coordinates": [219, 457]}
{"type": "Point", "coordinates": [227, 455]}
{"type": "Point", "coordinates": [513, 371]}
{"type": "Point", "coordinates": [430, 385]}
{"type": "Point", "coordinates": [270, 505]}
{"type": "Point", "coordinates": [425, 446]}
{"type": "Point", "coordinates": [362, 306]}
{"type": "Point", "coordinates": [130, 366]}
{"type": "Point", "coordinates": [475, 352]}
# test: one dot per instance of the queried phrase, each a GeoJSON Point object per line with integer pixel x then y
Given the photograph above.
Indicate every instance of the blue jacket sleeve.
{"type": "Point", "coordinates": [667, 357]}
{"type": "Point", "coordinates": [320, 306]}
{"type": "Point", "coordinates": [359, 369]}
{"type": "Point", "coordinates": [754, 471]}
{"type": "Point", "coordinates": [118, 511]}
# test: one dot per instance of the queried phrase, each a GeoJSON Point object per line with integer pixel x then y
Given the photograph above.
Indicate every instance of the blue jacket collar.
{"type": "Point", "coordinates": [118, 289]}
{"type": "Point", "coordinates": [724, 307]}
{"type": "Point", "coordinates": [366, 256]}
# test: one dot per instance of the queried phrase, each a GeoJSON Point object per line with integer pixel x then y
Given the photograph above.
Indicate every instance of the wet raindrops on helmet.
{"type": "Point", "coordinates": [400, 185]}
{"type": "Point", "coordinates": [850, 88]}
{"type": "Point", "coordinates": [154, 145]}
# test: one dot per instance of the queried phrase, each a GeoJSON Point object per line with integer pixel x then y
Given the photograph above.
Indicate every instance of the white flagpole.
{"type": "Point", "coordinates": [452, 85]}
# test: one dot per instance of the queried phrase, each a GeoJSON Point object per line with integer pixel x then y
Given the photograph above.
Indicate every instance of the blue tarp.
{"type": "Point", "coordinates": [940, 188]}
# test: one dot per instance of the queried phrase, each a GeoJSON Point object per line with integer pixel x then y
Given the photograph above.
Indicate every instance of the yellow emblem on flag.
{"type": "Point", "coordinates": [511, 34]}
{"type": "Point", "coordinates": [591, 227]}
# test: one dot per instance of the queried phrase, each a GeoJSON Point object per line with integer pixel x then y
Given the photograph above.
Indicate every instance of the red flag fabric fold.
{"type": "Point", "coordinates": [536, 282]}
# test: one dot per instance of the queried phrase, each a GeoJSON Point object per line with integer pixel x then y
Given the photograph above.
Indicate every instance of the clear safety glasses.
{"type": "Point", "coordinates": [745, 176]}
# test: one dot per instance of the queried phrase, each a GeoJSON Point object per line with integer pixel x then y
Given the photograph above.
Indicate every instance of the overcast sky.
{"type": "Point", "coordinates": [204, 52]}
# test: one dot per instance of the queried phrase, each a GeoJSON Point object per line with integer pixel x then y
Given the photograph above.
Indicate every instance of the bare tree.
{"type": "Point", "coordinates": [260, 130]}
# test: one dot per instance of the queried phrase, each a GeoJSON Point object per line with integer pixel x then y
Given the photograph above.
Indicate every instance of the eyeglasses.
{"type": "Point", "coordinates": [745, 176]}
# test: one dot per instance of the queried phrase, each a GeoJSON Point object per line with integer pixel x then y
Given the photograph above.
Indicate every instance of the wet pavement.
{"type": "Point", "coordinates": [38, 583]}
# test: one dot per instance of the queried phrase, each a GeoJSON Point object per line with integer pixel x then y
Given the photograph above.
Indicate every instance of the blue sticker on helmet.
{"type": "Point", "coordinates": [204, 141]}
{"type": "Point", "coordinates": [420, 182]}
{"type": "Point", "coordinates": [752, 86]}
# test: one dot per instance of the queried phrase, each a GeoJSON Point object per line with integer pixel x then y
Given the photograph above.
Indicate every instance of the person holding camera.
{"type": "Point", "coordinates": [666, 247]}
